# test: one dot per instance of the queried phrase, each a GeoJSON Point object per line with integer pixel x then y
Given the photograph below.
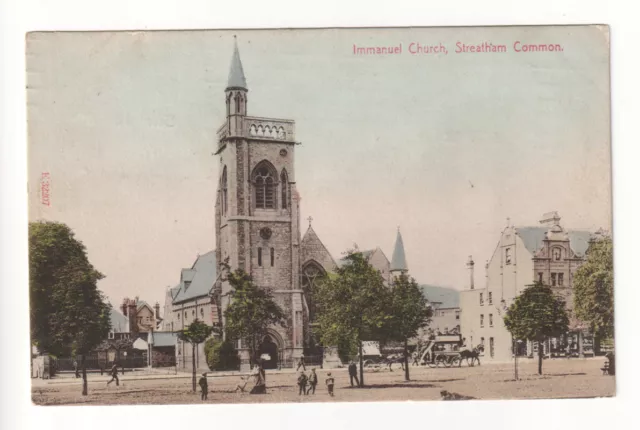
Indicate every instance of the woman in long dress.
{"type": "Point", "coordinates": [260, 386]}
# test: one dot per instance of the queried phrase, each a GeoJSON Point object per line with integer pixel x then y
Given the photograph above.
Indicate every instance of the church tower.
{"type": "Point", "coordinates": [398, 259]}
{"type": "Point", "coordinates": [257, 211]}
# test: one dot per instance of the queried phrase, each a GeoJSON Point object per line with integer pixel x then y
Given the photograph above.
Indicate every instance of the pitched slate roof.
{"type": "Point", "coordinates": [164, 338]}
{"type": "Point", "coordinates": [119, 323]}
{"type": "Point", "coordinates": [203, 279]}
{"type": "Point", "coordinates": [532, 238]}
{"type": "Point", "coordinates": [236, 73]}
{"type": "Point", "coordinates": [312, 248]}
{"type": "Point", "coordinates": [398, 259]}
{"type": "Point", "coordinates": [445, 297]}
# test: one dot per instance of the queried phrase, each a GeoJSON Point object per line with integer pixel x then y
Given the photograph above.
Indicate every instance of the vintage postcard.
{"type": "Point", "coordinates": [320, 215]}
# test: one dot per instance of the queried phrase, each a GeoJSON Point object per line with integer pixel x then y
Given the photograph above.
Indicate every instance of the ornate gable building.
{"type": "Point", "coordinates": [550, 254]}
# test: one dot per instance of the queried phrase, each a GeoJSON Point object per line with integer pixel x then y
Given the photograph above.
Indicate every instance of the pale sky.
{"type": "Point", "coordinates": [125, 125]}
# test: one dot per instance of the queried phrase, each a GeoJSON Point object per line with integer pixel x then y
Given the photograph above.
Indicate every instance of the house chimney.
{"type": "Point", "coordinates": [470, 265]}
{"type": "Point", "coordinates": [133, 317]}
{"type": "Point", "coordinates": [157, 308]}
{"type": "Point", "coordinates": [124, 305]}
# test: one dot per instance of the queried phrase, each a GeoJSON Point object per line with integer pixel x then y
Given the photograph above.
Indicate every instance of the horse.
{"type": "Point", "coordinates": [393, 359]}
{"type": "Point", "coordinates": [473, 355]}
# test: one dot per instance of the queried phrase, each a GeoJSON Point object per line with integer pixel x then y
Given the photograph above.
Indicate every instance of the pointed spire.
{"type": "Point", "coordinates": [236, 73]}
{"type": "Point", "coordinates": [398, 260]}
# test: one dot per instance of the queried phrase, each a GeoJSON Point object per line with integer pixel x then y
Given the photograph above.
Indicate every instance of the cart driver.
{"type": "Point", "coordinates": [463, 345]}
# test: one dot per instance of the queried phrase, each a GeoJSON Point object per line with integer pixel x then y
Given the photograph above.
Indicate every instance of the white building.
{"type": "Point", "coordinates": [523, 255]}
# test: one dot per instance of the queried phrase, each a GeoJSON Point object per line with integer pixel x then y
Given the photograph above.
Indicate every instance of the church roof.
{"type": "Point", "coordinates": [398, 259]}
{"type": "Point", "coordinates": [236, 73]}
{"type": "Point", "coordinates": [532, 238]}
{"type": "Point", "coordinates": [312, 248]}
{"type": "Point", "coordinates": [203, 279]}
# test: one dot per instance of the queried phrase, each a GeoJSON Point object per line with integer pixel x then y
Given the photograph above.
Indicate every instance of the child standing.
{"type": "Point", "coordinates": [330, 383]}
{"type": "Point", "coordinates": [204, 386]}
{"type": "Point", "coordinates": [313, 381]}
{"type": "Point", "coordinates": [302, 384]}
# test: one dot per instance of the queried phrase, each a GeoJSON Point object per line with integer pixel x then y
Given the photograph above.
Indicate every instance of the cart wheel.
{"type": "Point", "coordinates": [441, 360]}
{"type": "Point", "coordinates": [455, 361]}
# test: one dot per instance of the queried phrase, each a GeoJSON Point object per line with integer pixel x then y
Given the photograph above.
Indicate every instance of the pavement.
{"type": "Point", "coordinates": [152, 374]}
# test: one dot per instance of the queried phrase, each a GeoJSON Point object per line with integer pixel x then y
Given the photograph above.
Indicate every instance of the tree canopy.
{"type": "Point", "coordinates": [352, 305]}
{"type": "Point", "coordinates": [68, 314]}
{"type": "Point", "coordinates": [537, 314]}
{"type": "Point", "coordinates": [195, 333]}
{"type": "Point", "coordinates": [593, 289]}
{"type": "Point", "coordinates": [252, 311]}
{"type": "Point", "coordinates": [409, 311]}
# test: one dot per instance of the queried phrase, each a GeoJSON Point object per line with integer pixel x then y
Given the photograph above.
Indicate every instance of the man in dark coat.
{"type": "Point", "coordinates": [114, 374]}
{"type": "Point", "coordinates": [353, 373]}
{"type": "Point", "coordinates": [204, 386]}
{"type": "Point", "coordinates": [302, 384]}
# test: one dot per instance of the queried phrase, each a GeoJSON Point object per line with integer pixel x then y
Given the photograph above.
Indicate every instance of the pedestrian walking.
{"type": "Point", "coordinates": [302, 384]}
{"type": "Point", "coordinates": [75, 368]}
{"type": "Point", "coordinates": [301, 364]}
{"type": "Point", "coordinates": [313, 381]}
{"type": "Point", "coordinates": [114, 375]}
{"type": "Point", "coordinates": [330, 381]}
{"type": "Point", "coordinates": [204, 386]}
{"type": "Point", "coordinates": [415, 357]}
{"type": "Point", "coordinates": [353, 373]}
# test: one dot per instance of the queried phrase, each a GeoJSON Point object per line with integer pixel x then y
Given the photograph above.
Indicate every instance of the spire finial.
{"type": "Point", "coordinates": [398, 259]}
{"type": "Point", "coordinates": [236, 73]}
{"type": "Point", "coordinates": [310, 219]}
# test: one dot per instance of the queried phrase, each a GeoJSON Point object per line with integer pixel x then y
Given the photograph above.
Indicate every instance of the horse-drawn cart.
{"type": "Point", "coordinates": [445, 351]}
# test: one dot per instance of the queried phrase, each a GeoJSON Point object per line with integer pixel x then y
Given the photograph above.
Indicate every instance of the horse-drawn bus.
{"type": "Point", "coordinates": [447, 351]}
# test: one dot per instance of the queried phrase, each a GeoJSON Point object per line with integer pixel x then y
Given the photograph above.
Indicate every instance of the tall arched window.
{"type": "Point", "coordinates": [284, 183]}
{"type": "Point", "coordinates": [237, 100]}
{"type": "Point", "coordinates": [312, 274]}
{"type": "Point", "coordinates": [224, 191]}
{"type": "Point", "coordinates": [264, 183]}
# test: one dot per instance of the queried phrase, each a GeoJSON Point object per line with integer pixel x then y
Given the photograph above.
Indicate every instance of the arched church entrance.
{"type": "Point", "coordinates": [268, 348]}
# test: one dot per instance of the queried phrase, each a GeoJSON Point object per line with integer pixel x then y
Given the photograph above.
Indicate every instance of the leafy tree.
{"type": "Point", "coordinates": [196, 333]}
{"type": "Point", "coordinates": [409, 312]}
{"type": "Point", "coordinates": [68, 314]}
{"type": "Point", "coordinates": [593, 289]}
{"type": "Point", "coordinates": [536, 315]}
{"type": "Point", "coordinates": [351, 305]}
{"type": "Point", "coordinates": [252, 311]}
{"type": "Point", "coordinates": [221, 354]}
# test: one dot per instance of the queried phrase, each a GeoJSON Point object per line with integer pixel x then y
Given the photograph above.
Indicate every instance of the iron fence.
{"type": "Point", "coordinates": [66, 364]}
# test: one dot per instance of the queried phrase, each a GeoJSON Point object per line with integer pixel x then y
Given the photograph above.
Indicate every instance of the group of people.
{"type": "Point", "coordinates": [312, 382]}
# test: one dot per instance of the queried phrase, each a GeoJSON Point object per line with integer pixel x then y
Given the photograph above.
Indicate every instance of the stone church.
{"type": "Point", "coordinates": [258, 229]}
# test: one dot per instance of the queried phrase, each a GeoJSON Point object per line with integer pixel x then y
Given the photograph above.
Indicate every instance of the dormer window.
{"type": "Point", "coordinates": [186, 285]}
